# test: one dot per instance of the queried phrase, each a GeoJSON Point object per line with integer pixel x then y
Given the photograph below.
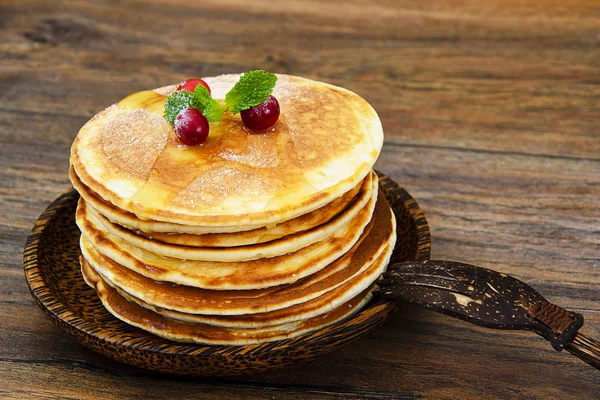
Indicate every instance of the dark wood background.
{"type": "Point", "coordinates": [492, 117]}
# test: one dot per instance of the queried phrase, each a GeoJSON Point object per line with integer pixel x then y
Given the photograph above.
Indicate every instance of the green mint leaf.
{"type": "Point", "coordinates": [202, 95]}
{"type": "Point", "coordinates": [253, 88]}
{"type": "Point", "coordinates": [214, 111]}
{"type": "Point", "coordinates": [179, 101]}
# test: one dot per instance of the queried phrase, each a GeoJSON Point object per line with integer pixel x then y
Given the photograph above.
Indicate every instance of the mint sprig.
{"type": "Point", "coordinates": [212, 109]}
{"type": "Point", "coordinates": [180, 101]}
{"type": "Point", "coordinates": [252, 89]}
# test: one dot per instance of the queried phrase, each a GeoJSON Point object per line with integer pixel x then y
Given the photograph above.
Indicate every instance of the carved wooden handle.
{"type": "Point", "coordinates": [564, 325]}
{"type": "Point", "coordinates": [487, 298]}
{"type": "Point", "coordinates": [586, 349]}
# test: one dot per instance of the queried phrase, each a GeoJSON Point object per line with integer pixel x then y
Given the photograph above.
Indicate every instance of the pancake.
{"type": "Point", "coordinates": [186, 298]}
{"type": "Point", "coordinates": [375, 249]}
{"type": "Point", "coordinates": [309, 309]}
{"type": "Point", "coordinates": [284, 245]}
{"type": "Point", "coordinates": [133, 314]}
{"type": "Point", "coordinates": [216, 235]}
{"type": "Point", "coordinates": [255, 274]}
{"type": "Point", "coordinates": [357, 197]}
{"type": "Point", "coordinates": [325, 143]}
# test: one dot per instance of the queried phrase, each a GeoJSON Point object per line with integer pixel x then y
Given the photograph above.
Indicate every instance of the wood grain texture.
{"type": "Point", "coordinates": [492, 117]}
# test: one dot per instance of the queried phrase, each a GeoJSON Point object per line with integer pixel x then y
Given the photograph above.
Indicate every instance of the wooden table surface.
{"type": "Point", "coordinates": [491, 111]}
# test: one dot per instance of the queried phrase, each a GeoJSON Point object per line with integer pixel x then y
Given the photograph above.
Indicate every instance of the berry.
{"type": "Point", "coordinates": [190, 84]}
{"type": "Point", "coordinates": [262, 116]}
{"type": "Point", "coordinates": [191, 127]}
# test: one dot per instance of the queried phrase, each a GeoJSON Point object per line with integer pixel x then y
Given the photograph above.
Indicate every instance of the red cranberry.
{"type": "Point", "coordinates": [190, 84]}
{"type": "Point", "coordinates": [191, 127]}
{"type": "Point", "coordinates": [262, 116]}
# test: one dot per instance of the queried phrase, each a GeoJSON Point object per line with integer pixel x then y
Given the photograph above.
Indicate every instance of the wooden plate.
{"type": "Point", "coordinates": [55, 281]}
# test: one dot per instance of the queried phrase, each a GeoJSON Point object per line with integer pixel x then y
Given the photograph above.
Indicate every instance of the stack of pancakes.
{"type": "Point", "coordinates": [251, 237]}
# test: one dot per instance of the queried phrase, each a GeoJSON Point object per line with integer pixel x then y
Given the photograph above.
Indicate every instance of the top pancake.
{"type": "Point", "coordinates": [325, 142]}
{"type": "Point", "coordinates": [225, 236]}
